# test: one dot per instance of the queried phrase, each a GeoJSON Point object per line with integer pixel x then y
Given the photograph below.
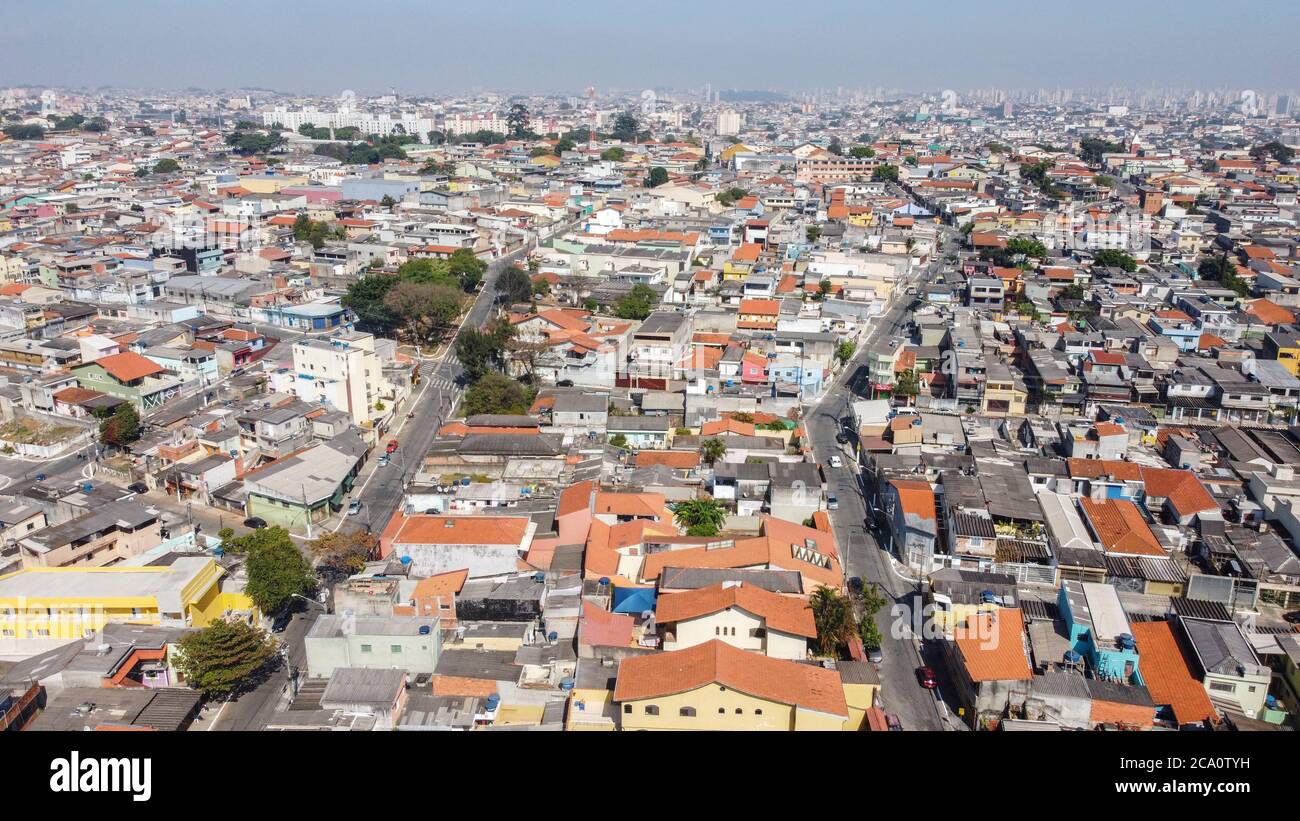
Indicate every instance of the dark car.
{"type": "Point", "coordinates": [138, 487]}
{"type": "Point", "coordinates": [842, 438]}
{"type": "Point", "coordinates": [926, 677]}
{"type": "Point", "coordinates": [255, 522]}
{"type": "Point", "coordinates": [1293, 617]}
{"type": "Point", "coordinates": [855, 584]}
{"type": "Point", "coordinates": [281, 622]}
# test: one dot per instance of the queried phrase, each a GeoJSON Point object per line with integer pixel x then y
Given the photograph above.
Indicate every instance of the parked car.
{"type": "Point", "coordinates": [383, 459]}
{"type": "Point", "coordinates": [836, 461]}
{"type": "Point", "coordinates": [842, 438]}
{"type": "Point", "coordinates": [138, 487]}
{"type": "Point", "coordinates": [354, 507]}
{"type": "Point", "coordinates": [281, 621]}
{"type": "Point", "coordinates": [926, 677]}
{"type": "Point", "coordinates": [832, 502]}
{"type": "Point", "coordinates": [874, 655]}
{"type": "Point", "coordinates": [255, 522]}
{"type": "Point", "coordinates": [895, 725]}
{"type": "Point", "coordinates": [855, 584]}
{"type": "Point", "coordinates": [392, 445]}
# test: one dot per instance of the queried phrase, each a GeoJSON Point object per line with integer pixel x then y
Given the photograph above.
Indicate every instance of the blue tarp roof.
{"type": "Point", "coordinates": [634, 599]}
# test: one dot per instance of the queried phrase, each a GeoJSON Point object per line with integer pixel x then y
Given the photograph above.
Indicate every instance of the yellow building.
{"type": "Point", "coordinates": [714, 686]}
{"type": "Point", "coordinates": [270, 183]}
{"type": "Point", "coordinates": [49, 603]}
{"type": "Point", "coordinates": [1003, 393]}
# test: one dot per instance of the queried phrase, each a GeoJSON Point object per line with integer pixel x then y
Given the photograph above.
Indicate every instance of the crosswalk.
{"type": "Point", "coordinates": [442, 383]}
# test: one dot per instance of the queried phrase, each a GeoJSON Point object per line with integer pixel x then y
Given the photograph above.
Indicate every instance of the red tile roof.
{"type": "Point", "coordinates": [787, 614]}
{"type": "Point", "coordinates": [128, 366]}
{"type": "Point", "coordinates": [1120, 527]}
{"type": "Point", "coordinates": [776, 680]}
{"type": "Point", "coordinates": [1166, 671]}
{"type": "Point", "coordinates": [992, 645]}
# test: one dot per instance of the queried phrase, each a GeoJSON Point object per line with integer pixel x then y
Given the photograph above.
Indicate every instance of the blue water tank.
{"type": "Point", "coordinates": [566, 684]}
{"type": "Point", "coordinates": [87, 487]}
{"type": "Point", "coordinates": [987, 597]}
{"type": "Point", "coordinates": [604, 581]}
{"type": "Point", "coordinates": [552, 636]}
{"type": "Point", "coordinates": [405, 560]}
{"type": "Point", "coordinates": [1126, 641]}
{"type": "Point", "coordinates": [424, 629]}
{"type": "Point", "coordinates": [493, 701]}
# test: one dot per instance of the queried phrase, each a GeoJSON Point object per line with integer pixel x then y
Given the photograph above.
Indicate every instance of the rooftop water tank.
{"type": "Point", "coordinates": [405, 560]}
{"type": "Point", "coordinates": [493, 701]}
{"type": "Point", "coordinates": [424, 629]}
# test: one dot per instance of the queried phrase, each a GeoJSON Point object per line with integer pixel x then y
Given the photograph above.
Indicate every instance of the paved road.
{"type": "Point", "coordinates": [255, 709]}
{"type": "Point", "coordinates": [381, 492]}
{"type": "Point", "coordinates": [863, 556]}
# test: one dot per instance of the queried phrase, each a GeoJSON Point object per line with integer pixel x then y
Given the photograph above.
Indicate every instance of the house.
{"type": "Point", "coordinates": [106, 535]}
{"type": "Point", "coordinates": [714, 686]}
{"type": "Point", "coordinates": [741, 615]}
{"type": "Point", "coordinates": [989, 661]}
{"type": "Point", "coordinates": [130, 377]}
{"type": "Point", "coordinates": [484, 545]}
{"type": "Point", "coordinates": [909, 506]}
{"type": "Point", "coordinates": [377, 696]}
{"type": "Point", "coordinates": [1099, 630]}
{"type": "Point", "coordinates": [1167, 669]}
{"type": "Point", "coordinates": [639, 432]}
{"type": "Point", "coordinates": [306, 487]}
{"type": "Point", "coordinates": [1232, 673]}
{"type": "Point", "coordinates": [409, 643]}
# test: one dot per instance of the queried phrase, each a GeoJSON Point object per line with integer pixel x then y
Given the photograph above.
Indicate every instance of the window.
{"type": "Point", "coordinates": [365, 648]}
{"type": "Point", "coordinates": [627, 709]}
{"type": "Point", "coordinates": [686, 712]}
{"type": "Point", "coordinates": [739, 711]}
{"type": "Point", "coordinates": [758, 711]}
{"type": "Point", "coordinates": [1223, 687]}
{"type": "Point", "coordinates": [722, 711]}
{"type": "Point", "coordinates": [395, 648]}
{"type": "Point", "coordinates": [652, 709]}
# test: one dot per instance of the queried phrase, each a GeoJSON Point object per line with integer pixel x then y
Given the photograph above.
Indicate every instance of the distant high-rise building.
{"type": "Point", "coordinates": [728, 123]}
{"type": "Point", "coordinates": [1282, 107]}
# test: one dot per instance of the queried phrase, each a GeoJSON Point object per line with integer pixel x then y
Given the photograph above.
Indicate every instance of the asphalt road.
{"type": "Point", "coordinates": [915, 707]}
{"type": "Point", "coordinates": [381, 492]}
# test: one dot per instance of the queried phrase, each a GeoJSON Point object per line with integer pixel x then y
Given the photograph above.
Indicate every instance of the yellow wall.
{"type": "Point", "coordinates": [270, 185]}
{"type": "Point", "coordinates": [860, 698]}
{"type": "Point", "coordinates": [711, 698]}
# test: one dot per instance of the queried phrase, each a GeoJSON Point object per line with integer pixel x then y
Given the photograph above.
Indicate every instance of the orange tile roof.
{"type": "Point", "coordinates": [1120, 527]}
{"type": "Point", "coordinates": [992, 646]}
{"type": "Point", "coordinates": [762, 307]}
{"type": "Point", "coordinates": [788, 614]}
{"type": "Point", "coordinates": [1166, 670]}
{"type": "Point", "coordinates": [678, 459]}
{"type": "Point", "coordinates": [632, 504]}
{"type": "Point", "coordinates": [461, 686]}
{"type": "Point", "coordinates": [574, 498]}
{"type": "Point", "coordinates": [776, 680]}
{"type": "Point", "coordinates": [917, 498]}
{"type": "Point", "coordinates": [1269, 312]}
{"type": "Point", "coordinates": [600, 628]}
{"type": "Point", "coordinates": [728, 425]}
{"type": "Point", "coordinates": [128, 366]}
{"type": "Point", "coordinates": [746, 253]}
{"type": "Point", "coordinates": [781, 545]}
{"type": "Point", "coordinates": [1180, 487]}
{"type": "Point", "coordinates": [475, 530]}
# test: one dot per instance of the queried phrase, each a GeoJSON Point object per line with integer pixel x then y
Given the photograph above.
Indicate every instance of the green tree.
{"type": "Point", "coordinates": [1113, 257]}
{"type": "Point", "coordinates": [122, 428]}
{"type": "Point", "coordinates": [1278, 151]}
{"type": "Point", "coordinates": [427, 309]}
{"type": "Point", "coordinates": [885, 172]}
{"type": "Point", "coordinates": [496, 393]}
{"type": "Point", "coordinates": [658, 176]}
{"type": "Point", "coordinates": [812, 232]}
{"type": "Point", "coordinates": [637, 304]}
{"type": "Point", "coordinates": [906, 384]}
{"type": "Point", "coordinates": [517, 120]}
{"type": "Point", "coordinates": [277, 571]}
{"type": "Point", "coordinates": [467, 269]}
{"type": "Point", "coordinates": [224, 657]}
{"type": "Point", "coordinates": [626, 127]}
{"type": "Point", "coordinates": [19, 131]}
{"type": "Point", "coordinates": [425, 271]}
{"type": "Point", "coordinates": [701, 517]}
{"type": "Point", "coordinates": [1221, 269]}
{"type": "Point", "coordinates": [1091, 149]}
{"type": "Point", "coordinates": [712, 450]}
{"type": "Point", "coordinates": [862, 152]}
{"type": "Point", "coordinates": [514, 285]}
{"type": "Point", "coordinates": [833, 617]}
{"type": "Point", "coordinates": [563, 145]}
{"type": "Point", "coordinates": [845, 350]}
{"type": "Point", "coordinates": [366, 297]}
{"type": "Point", "coordinates": [618, 440]}
{"type": "Point", "coordinates": [871, 601]}
{"type": "Point", "coordinates": [166, 166]}
{"type": "Point", "coordinates": [1026, 246]}
{"type": "Point", "coordinates": [614, 154]}
{"type": "Point", "coordinates": [480, 351]}
{"type": "Point", "coordinates": [388, 201]}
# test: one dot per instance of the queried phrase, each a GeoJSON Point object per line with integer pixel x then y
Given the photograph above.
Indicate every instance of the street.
{"type": "Point", "coordinates": [863, 557]}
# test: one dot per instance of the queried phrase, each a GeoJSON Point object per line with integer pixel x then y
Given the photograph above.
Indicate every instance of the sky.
{"type": "Point", "coordinates": [450, 46]}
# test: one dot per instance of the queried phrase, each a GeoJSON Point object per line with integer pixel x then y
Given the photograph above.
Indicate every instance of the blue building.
{"type": "Point", "coordinates": [1099, 630]}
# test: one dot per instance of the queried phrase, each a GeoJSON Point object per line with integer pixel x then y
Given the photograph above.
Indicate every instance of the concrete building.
{"type": "Point", "coordinates": [340, 640]}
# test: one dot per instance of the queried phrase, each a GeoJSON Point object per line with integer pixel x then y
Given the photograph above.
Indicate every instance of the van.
{"type": "Point", "coordinates": [832, 503]}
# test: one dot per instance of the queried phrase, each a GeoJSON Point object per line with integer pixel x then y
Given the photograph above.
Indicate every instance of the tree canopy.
{"type": "Point", "coordinates": [496, 393]}
{"type": "Point", "coordinates": [122, 427]}
{"type": "Point", "coordinates": [277, 571]}
{"type": "Point", "coordinates": [637, 304]}
{"type": "Point", "coordinates": [701, 517]}
{"type": "Point", "coordinates": [224, 657]}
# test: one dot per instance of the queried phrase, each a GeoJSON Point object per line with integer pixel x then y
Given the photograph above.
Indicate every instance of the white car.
{"type": "Point", "coordinates": [836, 462]}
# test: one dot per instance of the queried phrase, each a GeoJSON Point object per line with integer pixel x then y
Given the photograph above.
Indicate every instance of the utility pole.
{"type": "Point", "coordinates": [306, 509]}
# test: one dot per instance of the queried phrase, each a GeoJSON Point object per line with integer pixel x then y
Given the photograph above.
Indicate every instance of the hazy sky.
{"type": "Point", "coordinates": [436, 46]}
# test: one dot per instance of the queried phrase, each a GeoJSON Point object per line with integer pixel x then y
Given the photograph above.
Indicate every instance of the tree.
{"type": "Point", "coordinates": [517, 120]}
{"type": "Point", "coordinates": [427, 309]}
{"type": "Point", "coordinates": [366, 297]}
{"type": "Point", "coordinates": [166, 166]}
{"type": "Point", "coordinates": [1278, 151]}
{"type": "Point", "coordinates": [514, 285]}
{"type": "Point", "coordinates": [496, 393]}
{"type": "Point", "coordinates": [388, 201]}
{"type": "Point", "coordinates": [345, 552]}
{"type": "Point", "coordinates": [833, 617]}
{"type": "Point", "coordinates": [626, 127]}
{"type": "Point", "coordinates": [824, 288]}
{"type": "Point", "coordinates": [862, 152]}
{"type": "Point", "coordinates": [712, 450]}
{"type": "Point", "coordinates": [618, 440]}
{"type": "Point", "coordinates": [24, 132]}
{"type": "Point", "coordinates": [812, 233]}
{"type": "Point", "coordinates": [122, 428]}
{"type": "Point", "coordinates": [1221, 269]}
{"type": "Point", "coordinates": [562, 145]}
{"type": "Point", "coordinates": [906, 384]}
{"type": "Point", "coordinates": [885, 172]}
{"type": "Point", "coordinates": [1027, 247]}
{"type": "Point", "coordinates": [466, 268]}
{"type": "Point", "coordinates": [845, 350]}
{"type": "Point", "coordinates": [223, 657]}
{"type": "Point", "coordinates": [482, 351]}
{"type": "Point", "coordinates": [1091, 149]}
{"type": "Point", "coordinates": [615, 154]}
{"type": "Point", "coordinates": [728, 196]}
{"type": "Point", "coordinates": [1113, 257]}
{"type": "Point", "coordinates": [426, 271]}
{"type": "Point", "coordinates": [658, 176]}
{"type": "Point", "coordinates": [277, 571]}
{"type": "Point", "coordinates": [637, 304]}
{"type": "Point", "coordinates": [871, 601]}
{"type": "Point", "coordinates": [701, 517]}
